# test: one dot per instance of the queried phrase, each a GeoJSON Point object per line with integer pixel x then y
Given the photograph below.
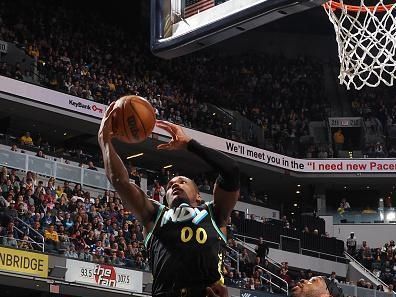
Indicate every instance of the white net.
{"type": "Point", "coordinates": [366, 37]}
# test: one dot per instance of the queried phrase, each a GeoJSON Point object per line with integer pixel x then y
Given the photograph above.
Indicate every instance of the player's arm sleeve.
{"type": "Point", "coordinates": [227, 167]}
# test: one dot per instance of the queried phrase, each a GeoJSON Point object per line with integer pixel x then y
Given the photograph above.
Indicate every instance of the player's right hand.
{"type": "Point", "coordinates": [106, 133]}
{"type": "Point", "coordinates": [217, 290]}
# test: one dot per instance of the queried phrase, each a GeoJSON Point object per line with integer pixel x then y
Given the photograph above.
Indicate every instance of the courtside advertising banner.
{"type": "Point", "coordinates": [290, 163]}
{"type": "Point", "coordinates": [104, 276]}
{"type": "Point", "coordinates": [23, 262]}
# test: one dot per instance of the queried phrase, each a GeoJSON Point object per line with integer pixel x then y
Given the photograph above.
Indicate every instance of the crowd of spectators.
{"type": "Point", "coordinates": [76, 225]}
{"type": "Point", "coordinates": [377, 108]}
{"type": "Point", "coordinates": [380, 261]}
{"type": "Point", "coordinates": [71, 222]}
{"type": "Point", "coordinates": [92, 59]}
{"type": "Point", "coordinates": [256, 272]}
{"type": "Point", "coordinates": [102, 62]}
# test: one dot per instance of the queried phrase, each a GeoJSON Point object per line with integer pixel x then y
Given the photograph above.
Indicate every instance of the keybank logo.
{"type": "Point", "coordinates": [77, 104]}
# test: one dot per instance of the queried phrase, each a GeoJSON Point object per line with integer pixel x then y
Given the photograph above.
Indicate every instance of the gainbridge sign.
{"type": "Point", "coordinates": [104, 275]}
{"type": "Point", "coordinates": [23, 262]}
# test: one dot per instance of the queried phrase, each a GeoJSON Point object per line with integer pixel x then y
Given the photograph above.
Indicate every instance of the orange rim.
{"type": "Point", "coordinates": [356, 8]}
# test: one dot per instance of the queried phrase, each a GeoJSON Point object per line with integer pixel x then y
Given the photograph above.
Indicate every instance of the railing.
{"type": "Point", "coordinates": [55, 169]}
{"type": "Point", "coordinates": [271, 282]}
{"type": "Point", "coordinates": [318, 254]}
{"type": "Point", "coordinates": [361, 266]}
{"type": "Point", "coordinates": [40, 244]}
{"type": "Point", "coordinates": [233, 259]}
{"type": "Point", "coordinates": [353, 290]}
{"type": "Point", "coordinates": [271, 233]}
{"type": "Point", "coordinates": [272, 261]}
{"type": "Point", "coordinates": [338, 259]}
{"type": "Point", "coordinates": [256, 239]}
{"type": "Point", "coordinates": [29, 242]}
{"type": "Point", "coordinates": [381, 216]}
{"type": "Point", "coordinates": [286, 247]}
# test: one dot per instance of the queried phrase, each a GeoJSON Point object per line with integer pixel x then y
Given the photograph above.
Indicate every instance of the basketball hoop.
{"type": "Point", "coordinates": [366, 37]}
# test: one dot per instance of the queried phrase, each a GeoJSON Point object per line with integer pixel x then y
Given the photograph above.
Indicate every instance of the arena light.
{"type": "Point", "coordinates": [298, 192]}
{"type": "Point", "coordinates": [135, 156]}
{"type": "Point", "coordinates": [295, 204]}
{"type": "Point", "coordinates": [168, 166]}
{"type": "Point", "coordinates": [298, 186]}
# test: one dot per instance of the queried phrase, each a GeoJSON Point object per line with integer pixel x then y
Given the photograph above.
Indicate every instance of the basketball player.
{"type": "Point", "coordinates": [317, 286]}
{"type": "Point", "coordinates": [183, 239]}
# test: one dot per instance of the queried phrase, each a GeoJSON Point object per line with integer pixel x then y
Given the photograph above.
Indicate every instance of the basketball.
{"type": "Point", "coordinates": [134, 120]}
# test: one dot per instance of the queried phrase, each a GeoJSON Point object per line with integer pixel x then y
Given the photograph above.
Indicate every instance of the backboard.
{"type": "Point", "coordinates": [179, 27]}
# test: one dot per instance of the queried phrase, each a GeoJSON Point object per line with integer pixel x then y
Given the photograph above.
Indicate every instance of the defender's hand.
{"type": "Point", "coordinates": [179, 138]}
{"type": "Point", "coordinates": [217, 290]}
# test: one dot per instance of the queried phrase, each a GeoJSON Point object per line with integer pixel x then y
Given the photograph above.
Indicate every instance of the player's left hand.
{"type": "Point", "coordinates": [179, 138]}
{"type": "Point", "coordinates": [217, 290]}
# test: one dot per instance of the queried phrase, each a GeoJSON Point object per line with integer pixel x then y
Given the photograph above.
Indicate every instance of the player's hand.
{"type": "Point", "coordinates": [217, 290]}
{"type": "Point", "coordinates": [106, 133]}
{"type": "Point", "coordinates": [179, 138]}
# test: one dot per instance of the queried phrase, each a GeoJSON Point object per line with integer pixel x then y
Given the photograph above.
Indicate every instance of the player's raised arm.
{"type": "Point", "coordinates": [226, 191]}
{"type": "Point", "coordinates": [132, 196]}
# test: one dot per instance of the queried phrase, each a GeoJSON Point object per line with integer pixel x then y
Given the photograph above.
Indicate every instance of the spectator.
{"type": "Point", "coordinates": [67, 190]}
{"type": "Point", "coordinates": [283, 274]}
{"type": "Point", "coordinates": [309, 274]}
{"type": "Point", "coordinates": [262, 249]}
{"type": "Point", "coordinates": [134, 175]}
{"type": "Point", "coordinates": [338, 138]}
{"type": "Point", "coordinates": [333, 278]}
{"type": "Point", "coordinates": [351, 244]}
{"type": "Point", "coordinates": [40, 154]}
{"type": "Point", "coordinates": [245, 262]}
{"type": "Point", "coordinates": [344, 206]}
{"type": "Point", "coordinates": [158, 192]}
{"type": "Point", "coordinates": [26, 139]}
{"type": "Point", "coordinates": [25, 243]}
{"type": "Point", "coordinates": [71, 252]}
{"type": "Point", "coordinates": [367, 257]}
{"type": "Point", "coordinates": [86, 255]}
{"type": "Point", "coordinates": [91, 166]}
{"type": "Point", "coordinates": [380, 288]}
{"type": "Point", "coordinates": [51, 238]}
{"type": "Point", "coordinates": [9, 240]}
